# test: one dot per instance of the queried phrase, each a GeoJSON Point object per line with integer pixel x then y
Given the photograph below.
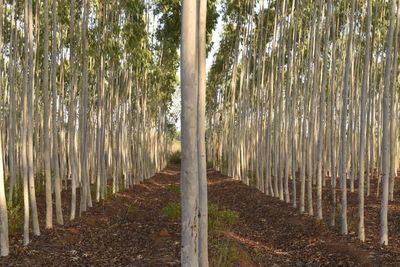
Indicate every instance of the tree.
{"type": "Point", "coordinates": [343, 125]}
{"type": "Point", "coordinates": [384, 237]}
{"type": "Point", "coordinates": [57, 184]}
{"type": "Point", "coordinates": [47, 165]}
{"type": "Point", "coordinates": [193, 175]}
{"type": "Point", "coordinates": [4, 243]}
{"type": "Point", "coordinates": [201, 147]}
{"type": "Point", "coordinates": [363, 117]}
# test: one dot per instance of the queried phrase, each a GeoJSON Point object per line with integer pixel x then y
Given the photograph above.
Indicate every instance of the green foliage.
{"type": "Point", "coordinates": [252, 177]}
{"type": "Point", "coordinates": [40, 184]}
{"type": "Point", "coordinates": [15, 210]}
{"type": "Point", "coordinates": [15, 218]}
{"type": "Point", "coordinates": [175, 158]}
{"type": "Point", "coordinates": [175, 191]}
{"type": "Point", "coordinates": [220, 218]}
{"type": "Point", "coordinates": [210, 164]}
{"type": "Point", "coordinates": [93, 189]}
{"type": "Point", "coordinates": [223, 253]}
{"type": "Point", "coordinates": [172, 210]}
{"type": "Point", "coordinates": [132, 207]}
{"type": "Point", "coordinates": [109, 192]}
{"type": "Point", "coordinates": [259, 253]}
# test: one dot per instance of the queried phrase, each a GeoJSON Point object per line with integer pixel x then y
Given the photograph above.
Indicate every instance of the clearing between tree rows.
{"type": "Point", "coordinates": [134, 229]}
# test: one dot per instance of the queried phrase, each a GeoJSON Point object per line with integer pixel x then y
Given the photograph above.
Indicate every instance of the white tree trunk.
{"type": "Point", "coordinates": [190, 168]}
{"type": "Point", "coordinates": [384, 237]}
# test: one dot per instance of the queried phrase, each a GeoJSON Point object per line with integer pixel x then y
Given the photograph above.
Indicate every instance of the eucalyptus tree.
{"type": "Point", "coordinates": [201, 146]}
{"type": "Point", "coordinates": [12, 103]}
{"type": "Point", "coordinates": [46, 122]}
{"type": "Point", "coordinates": [279, 83]}
{"type": "Point", "coordinates": [343, 124]}
{"type": "Point", "coordinates": [4, 241]}
{"type": "Point", "coordinates": [363, 117]}
{"type": "Point", "coordinates": [384, 238]}
{"type": "Point", "coordinates": [190, 161]}
{"type": "Point", "coordinates": [72, 153]}
{"type": "Point", "coordinates": [131, 81]}
{"type": "Point", "coordinates": [83, 114]}
{"type": "Point", "coordinates": [56, 168]}
{"type": "Point", "coordinates": [27, 127]}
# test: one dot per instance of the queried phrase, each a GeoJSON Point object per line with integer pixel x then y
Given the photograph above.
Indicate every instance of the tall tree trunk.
{"type": "Point", "coordinates": [343, 123]}
{"type": "Point", "coordinates": [4, 243]}
{"type": "Point", "coordinates": [72, 155]}
{"type": "Point", "coordinates": [190, 167]}
{"type": "Point", "coordinates": [12, 106]}
{"type": "Point", "coordinates": [201, 147]}
{"type": "Point", "coordinates": [47, 164]}
{"type": "Point", "coordinates": [85, 190]}
{"type": "Point", "coordinates": [363, 117]}
{"type": "Point", "coordinates": [384, 237]}
{"type": "Point", "coordinates": [56, 168]}
{"type": "Point", "coordinates": [30, 116]}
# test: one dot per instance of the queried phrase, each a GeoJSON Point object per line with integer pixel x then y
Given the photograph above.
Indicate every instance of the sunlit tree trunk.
{"type": "Point", "coordinates": [384, 236]}
{"type": "Point", "coordinates": [363, 117]}
{"type": "Point", "coordinates": [29, 121]}
{"type": "Point", "coordinates": [47, 164]}
{"type": "Point", "coordinates": [83, 124]}
{"type": "Point", "coordinates": [343, 123]}
{"type": "Point", "coordinates": [4, 243]}
{"type": "Point", "coordinates": [72, 155]}
{"type": "Point", "coordinates": [201, 149]}
{"type": "Point", "coordinates": [56, 167]}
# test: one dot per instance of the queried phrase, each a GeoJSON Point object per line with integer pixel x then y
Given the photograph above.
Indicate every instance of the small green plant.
{"type": "Point", "coordinates": [224, 164]}
{"type": "Point", "coordinates": [175, 157]}
{"type": "Point", "coordinates": [175, 191]}
{"type": "Point", "coordinates": [210, 164]}
{"type": "Point", "coordinates": [172, 210]}
{"type": "Point", "coordinates": [259, 253]}
{"type": "Point", "coordinates": [252, 177]}
{"type": "Point", "coordinates": [40, 184]}
{"type": "Point", "coordinates": [15, 218]}
{"type": "Point", "coordinates": [223, 253]}
{"type": "Point", "coordinates": [219, 219]}
{"type": "Point", "coordinates": [93, 189]}
{"type": "Point", "coordinates": [109, 192]}
{"type": "Point", "coordinates": [132, 207]}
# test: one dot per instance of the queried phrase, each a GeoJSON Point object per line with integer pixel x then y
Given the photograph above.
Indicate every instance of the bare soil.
{"type": "Point", "coordinates": [131, 230]}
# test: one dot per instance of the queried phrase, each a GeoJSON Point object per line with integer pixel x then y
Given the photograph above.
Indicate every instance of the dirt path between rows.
{"type": "Point", "coordinates": [131, 230]}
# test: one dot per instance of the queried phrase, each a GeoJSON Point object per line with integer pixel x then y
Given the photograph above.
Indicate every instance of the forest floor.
{"type": "Point", "coordinates": [132, 229]}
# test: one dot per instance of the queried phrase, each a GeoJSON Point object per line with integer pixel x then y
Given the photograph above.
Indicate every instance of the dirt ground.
{"type": "Point", "coordinates": [131, 230]}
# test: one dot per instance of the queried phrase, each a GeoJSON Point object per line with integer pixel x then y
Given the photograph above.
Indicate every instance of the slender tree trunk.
{"type": "Point", "coordinates": [12, 107]}
{"type": "Point", "coordinates": [322, 114]}
{"type": "Point", "coordinates": [343, 138]}
{"type": "Point", "coordinates": [83, 115]}
{"type": "Point", "coordinates": [190, 167]}
{"type": "Point", "coordinates": [56, 168]}
{"type": "Point", "coordinates": [47, 164]}
{"type": "Point", "coordinates": [384, 237]}
{"type": "Point", "coordinates": [4, 243]}
{"type": "Point", "coordinates": [201, 149]}
{"type": "Point", "coordinates": [29, 117]}
{"type": "Point", "coordinates": [363, 117]}
{"type": "Point", "coordinates": [72, 115]}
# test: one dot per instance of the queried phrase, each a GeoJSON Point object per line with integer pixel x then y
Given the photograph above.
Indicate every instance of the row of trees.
{"type": "Point", "coordinates": [305, 91]}
{"type": "Point", "coordinates": [85, 90]}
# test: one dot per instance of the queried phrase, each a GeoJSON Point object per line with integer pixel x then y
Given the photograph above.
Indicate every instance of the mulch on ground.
{"type": "Point", "coordinates": [131, 230]}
